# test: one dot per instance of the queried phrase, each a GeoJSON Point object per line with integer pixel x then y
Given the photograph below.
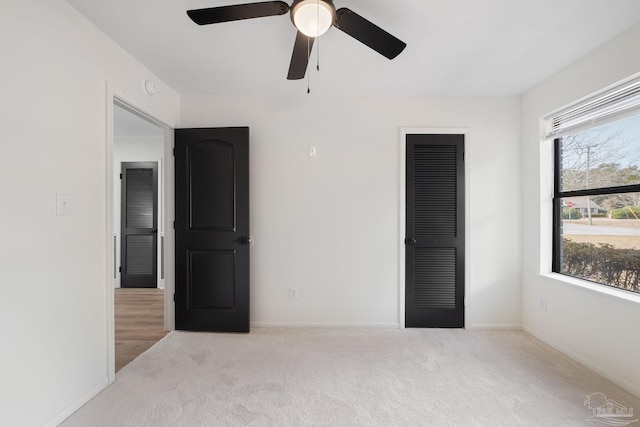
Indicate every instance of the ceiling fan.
{"type": "Point", "coordinates": [312, 18]}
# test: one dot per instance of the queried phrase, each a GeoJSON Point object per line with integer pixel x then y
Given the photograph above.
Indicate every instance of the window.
{"type": "Point", "coordinates": [596, 206]}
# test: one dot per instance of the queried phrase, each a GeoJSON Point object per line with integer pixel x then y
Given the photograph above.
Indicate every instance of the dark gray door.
{"type": "Point", "coordinates": [139, 225]}
{"type": "Point", "coordinates": [434, 242]}
{"type": "Point", "coordinates": [212, 229]}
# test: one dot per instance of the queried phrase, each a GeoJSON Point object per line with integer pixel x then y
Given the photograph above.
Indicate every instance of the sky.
{"type": "Point", "coordinates": [628, 143]}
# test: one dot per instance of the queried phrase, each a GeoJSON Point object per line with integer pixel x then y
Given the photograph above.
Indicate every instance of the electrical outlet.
{"type": "Point", "coordinates": [293, 294]}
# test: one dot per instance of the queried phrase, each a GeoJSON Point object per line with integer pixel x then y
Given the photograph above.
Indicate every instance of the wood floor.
{"type": "Point", "coordinates": [139, 322]}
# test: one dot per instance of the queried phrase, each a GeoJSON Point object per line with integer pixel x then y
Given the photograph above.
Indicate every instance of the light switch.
{"type": "Point", "coordinates": [63, 204]}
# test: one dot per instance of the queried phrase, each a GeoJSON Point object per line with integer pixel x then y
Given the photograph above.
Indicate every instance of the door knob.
{"type": "Point", "coordinates": [410, 241]}
{"type": "Point", "coordinates": [243, 240]}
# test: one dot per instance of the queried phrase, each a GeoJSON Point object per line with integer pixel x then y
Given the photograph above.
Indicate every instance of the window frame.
{"type": "Point", "coordinates": [558, 195]}
{"type": "Point", "coordinates": [610, 104]}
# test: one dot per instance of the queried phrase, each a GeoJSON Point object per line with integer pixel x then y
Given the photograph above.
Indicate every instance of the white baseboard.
{"type": "Point", "coordinates": [630, 387]}
{"type": "Point", "coordinates": [77, 404]}
{"type": "Point", "coordinates": [495, 326]}
{"type": "Point", "coordinates": [381, 325]}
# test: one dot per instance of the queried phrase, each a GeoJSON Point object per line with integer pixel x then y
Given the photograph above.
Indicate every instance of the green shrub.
{"type": "Point", "coordinates": [575, 213]}
{"type": "Point", "coordinates": [602, 263]}
{"type": "Point", "coordinates": [626, 213]}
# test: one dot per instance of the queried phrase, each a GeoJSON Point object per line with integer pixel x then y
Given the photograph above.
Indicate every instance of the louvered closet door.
{"type": "Point", "coordinates": [435, 231]}
{"type": "Point", "coordinates": [139, 222]}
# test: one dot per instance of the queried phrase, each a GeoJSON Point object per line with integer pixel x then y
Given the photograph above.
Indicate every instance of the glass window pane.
{"type": "Point", "coordinates": [600, 239]}
{"type": "Point", "coordinates": [603, 156]}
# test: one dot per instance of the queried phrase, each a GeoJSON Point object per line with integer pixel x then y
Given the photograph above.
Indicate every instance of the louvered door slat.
{"type": "Point", "coordinates": [139, 255]}
{"type": "Point", "coordinates": [434, 191]}
{"type": "Point", "coordinates": [434, 278]}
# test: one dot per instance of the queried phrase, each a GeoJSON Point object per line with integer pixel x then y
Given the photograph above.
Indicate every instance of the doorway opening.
{"type": "Point", "coordinates": [139, 244]}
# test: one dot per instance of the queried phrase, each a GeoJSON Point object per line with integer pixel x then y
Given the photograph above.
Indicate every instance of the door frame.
{"type": "Point", "coordinates": [165, 226]}
{"type": "Point", "coordinates": [402, 208]}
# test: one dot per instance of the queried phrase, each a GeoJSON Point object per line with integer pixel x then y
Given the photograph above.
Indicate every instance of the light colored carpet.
{"type": "Point", "coordinates": [350, 377]}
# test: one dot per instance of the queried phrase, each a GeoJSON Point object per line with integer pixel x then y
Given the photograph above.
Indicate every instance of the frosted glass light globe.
{"type": "Point", "coordinates": [313, 17]}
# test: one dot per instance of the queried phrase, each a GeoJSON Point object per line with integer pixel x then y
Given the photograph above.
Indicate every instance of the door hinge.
{"type": "Point", "coordinates": [174, 151]}
{"type": "Point", "coordinates": [174, 297]}
{"type": "Point", "coordinates": [174, 224]}
{"type": "Point", "coordinates": [120, 269]}
{"type": "Point", "coordinates": [120, 176]}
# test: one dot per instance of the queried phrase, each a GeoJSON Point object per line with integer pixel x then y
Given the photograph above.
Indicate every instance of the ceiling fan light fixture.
{"type": "Point", "coordinates": [313, 17]}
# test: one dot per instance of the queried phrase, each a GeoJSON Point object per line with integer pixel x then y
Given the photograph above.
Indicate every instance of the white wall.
{"type": "Point", "coordinates": [53, 294]}
{"type": "Point", "coordinates": [592, 326]}
{"type": "Point", "coordinates": [328, 226]}
{"type": "Point", "coordinates": [137, 149]}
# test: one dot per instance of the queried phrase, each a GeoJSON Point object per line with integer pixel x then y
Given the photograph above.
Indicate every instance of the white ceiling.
{"type": "Point", "coordinates": [455, 47]}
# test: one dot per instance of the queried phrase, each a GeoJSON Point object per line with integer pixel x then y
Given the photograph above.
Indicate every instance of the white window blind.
{"type": "Point", "coordinates": [612, 104]}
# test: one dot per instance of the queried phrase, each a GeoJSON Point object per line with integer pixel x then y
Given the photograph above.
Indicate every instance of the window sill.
{"type": "Point", "coordinates": [609, 291]}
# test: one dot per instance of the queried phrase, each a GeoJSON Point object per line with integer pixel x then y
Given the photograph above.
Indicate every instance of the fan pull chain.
{"type": "Point", "coordinates": [308, 74]}
{"type": "Point", "coordinates": [318, 39]}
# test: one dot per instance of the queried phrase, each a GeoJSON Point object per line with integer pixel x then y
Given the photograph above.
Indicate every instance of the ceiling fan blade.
{"type": "Point", "coordinates": [368, 33]}
{"type": "Point", "coordinates": [215, 15]}
{"type": "Point", "coordinates": [300, 57]}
